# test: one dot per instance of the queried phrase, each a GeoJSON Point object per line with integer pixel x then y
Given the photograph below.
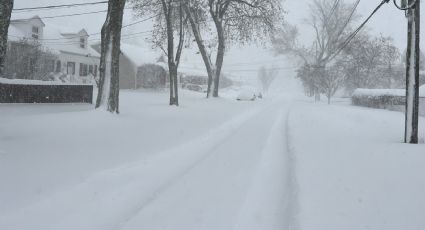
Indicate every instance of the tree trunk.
{"type": "Point", "coordinates": [220, 55]}
{"type": "Point", "coordinates": [5, 13]}
{"type": "Point", "coordinates": [176, 89]}
{"type": "Point", "coordinates": [329, 98]}
{"type": "Point", "coordinates": [174, 99]}
{"type": "Point", "coordinates": [412, 75]}
{"type": "Point", "coordinates": [202, 48]}
{"type": "Point", "coordinates": [172, 66]}
{"type": "Point", "coordinates": [108, 96]}
{"type": "Point", "coordinates": [316, 94]}
{"type": "Point", "coordinates": [170, 72]}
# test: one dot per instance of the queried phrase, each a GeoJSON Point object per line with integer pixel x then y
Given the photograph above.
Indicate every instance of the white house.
{"type": "Point", "coordinates": [74, 57]}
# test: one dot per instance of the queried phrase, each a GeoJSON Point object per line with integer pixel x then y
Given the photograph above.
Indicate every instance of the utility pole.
{"type": "Point", "coordinates": [412, 71]}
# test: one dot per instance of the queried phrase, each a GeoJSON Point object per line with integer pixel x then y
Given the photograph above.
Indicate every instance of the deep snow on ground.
{"type": "Point", "coordinates": [46, 147]}
{"type": "Point", "coordinates": [353, 171]}
{"type": "Point", "coordinates": [279, 163]}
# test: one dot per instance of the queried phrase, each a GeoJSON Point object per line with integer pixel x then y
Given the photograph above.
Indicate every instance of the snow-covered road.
{"type": "Point", "coordinates": [280, 163]}
{"type": "Point", "coordinates": [237, 184]}
{"type": "Point", "coordinates": [232, 177]}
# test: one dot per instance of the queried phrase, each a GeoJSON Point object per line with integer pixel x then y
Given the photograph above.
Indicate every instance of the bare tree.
{"type": "Point", "coordinates": [6, 7]}
{"type": "Point", "coordinates": [305, 73]}
{"type": "Point", "coordinates": [370, 62]}
{"type": "Point", "coordinates": [330, 21]}
{"type": "Point", "coordinates": [331, 81]}
{"type": "Point", "coordinates": [366, 62]}
{"type": "Point", "coordinates": [266, 76]}
{"type": "Point", "coordinates": [108, 96]}
{"type": "Point", "coordinates": [234, 20]}
{"type": "Point", "coordinates": [170, 13]}
{"type": "Point", "coordinates": [28, 60]}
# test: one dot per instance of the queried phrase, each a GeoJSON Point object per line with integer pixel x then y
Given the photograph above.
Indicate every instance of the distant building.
{"type": "Point", "coordinates": [69, 52]}
{"type": "Point", "coordinates": [140, 67]}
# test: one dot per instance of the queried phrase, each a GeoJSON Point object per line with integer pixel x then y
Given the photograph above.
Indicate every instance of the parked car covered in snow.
{"type": "Point", "coordinates": [246, 95]}
{"type": "Point", "coordinates": [194, 87]}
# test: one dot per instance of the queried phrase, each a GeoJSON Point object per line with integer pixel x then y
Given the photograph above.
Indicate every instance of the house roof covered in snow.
{"type": "Point", "coordinates": [66, 39]}
{"type": "Point", "coordinates": [140, 55]}
{"type": "Point", "coordinates": [54, 38]}
{"type": "Point", "coordinates": [146, 54]}
{"type": "Point", "coordinates": [33, 20]}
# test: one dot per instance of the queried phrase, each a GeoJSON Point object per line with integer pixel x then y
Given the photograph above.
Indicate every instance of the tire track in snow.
{"type": "Point", "coordinates": [272, 202]}
{"type": "Point", "coordinates": [209, 154]}
{"type": "Point", "coordinates": [263, 204]}
{"type": "Point", "coordinates": [107, 199]}
{"type": "Point", "coordinates": [292, 205]}
{"type": "Point", "coordinates": [227, 171]}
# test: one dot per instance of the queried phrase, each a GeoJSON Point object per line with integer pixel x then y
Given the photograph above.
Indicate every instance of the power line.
{"type": "Point", "coordinates": [259, 63]}
{"type": "Point", "coordinates": [123, 36]}
{"type": "Point", "coordinates": [77, 14]}
{"type": "Point", "coordinates": [355, 32]}
{"type": "Point", "coordinates": [71, 15]}
{"type": "Point", "coordinates": [143, 20]}
{"type": "Point", "coordinates": [256, 70]}
{"type": "Point", "coordinates": [98, 33]}
{"type": "Point", "coordinates": [61, 6]}
{"type": "Point", "coordinates": [352, 13]}
{"type": "Point", "coordinates": [241, 70]}
{"type": "Point", "coordinates": [335, 5]}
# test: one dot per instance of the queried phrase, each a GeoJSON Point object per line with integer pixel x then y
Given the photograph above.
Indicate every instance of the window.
{"type": "Point", "coordinates": [83, 70]}
{"type": "Point", "coordinates": [58, 66]}
{"type": "Point", "coordinates": [83, 43]}
{"type": "Point", "coordinates": [70, 68]}
{"type": "Point", "coordinates": [95, 70]}
{"type": "Point", "coordinates": [91, 70]}
{"type": "Point", "coordinates": [51, 65]}
{"type": "Point", "coordinates": [35, 32]}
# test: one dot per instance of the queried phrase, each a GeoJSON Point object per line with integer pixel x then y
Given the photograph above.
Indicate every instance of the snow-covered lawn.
{"type": "Point", "coordinates": [353, 171]}
{"type": "Point", "coordinates": [45, 148]}
{"type": "Point", "coordinates": [277, 163]}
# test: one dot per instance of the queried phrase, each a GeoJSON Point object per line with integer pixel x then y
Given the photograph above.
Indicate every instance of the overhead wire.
{"type": "Point", "coordinates": [98, 33]}
{"type": "Point", "coordinates": [123, 36]}
{"type": "Point", "coordinates": [355, 32]}
{"type": "Point", "coordinates": [77, 14]}
{"type": "Point", "coordinates": [335, 5]}
{"type": "Point", "coordinates": [60, 6]}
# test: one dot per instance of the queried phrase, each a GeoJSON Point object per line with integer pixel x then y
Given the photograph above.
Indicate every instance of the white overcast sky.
{"type": "Point", "coordinates": [388, 21]}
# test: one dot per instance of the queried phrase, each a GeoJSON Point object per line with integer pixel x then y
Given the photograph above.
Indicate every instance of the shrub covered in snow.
{"type": "Point", "coordinates": [378, 98]}
{"type": "Point", "coordinates": [393, 99]}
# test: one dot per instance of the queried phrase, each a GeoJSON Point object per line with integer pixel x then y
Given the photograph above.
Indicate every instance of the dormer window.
{"type": "Point", "coordinates": [35, 32]}
{"type": "Point", "coordinates": [83, 43]}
